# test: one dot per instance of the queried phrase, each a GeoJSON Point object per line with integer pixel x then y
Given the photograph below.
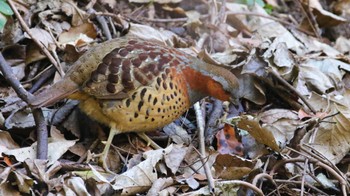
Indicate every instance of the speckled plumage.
{"type": "Point", "coordinates": [133, 85]}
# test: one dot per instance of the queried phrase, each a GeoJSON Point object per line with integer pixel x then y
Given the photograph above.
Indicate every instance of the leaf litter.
{"type": "Point", "coordinates": [294, 134]}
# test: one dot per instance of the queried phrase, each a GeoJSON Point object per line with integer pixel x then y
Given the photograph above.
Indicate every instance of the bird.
{"type": "Point", "coordinates": [136, 85]}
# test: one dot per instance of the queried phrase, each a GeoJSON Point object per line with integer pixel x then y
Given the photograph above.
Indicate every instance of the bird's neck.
{"type": "Point", "coordinates": [201, 84]}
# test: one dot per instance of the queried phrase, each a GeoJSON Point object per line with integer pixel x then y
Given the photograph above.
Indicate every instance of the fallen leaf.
{"type": "Point", "coordinates": [174, 158]}
{"type": "Point", "coordinates": [230, 167]}
{"type": "Point", "coordinates": [140, 177]}
{"type": "Point", "coordinates": [56, 148]}
{"type": "Point", "coordinates": [262, 135]}
{"type": "Point", "coordinates": [78, 36]}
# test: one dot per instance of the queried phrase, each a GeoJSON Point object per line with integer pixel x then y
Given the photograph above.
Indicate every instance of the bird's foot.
{"type": "Point", "coordinates": [102, 161]}
{"type": "Point", "coordinates": [149, 141]}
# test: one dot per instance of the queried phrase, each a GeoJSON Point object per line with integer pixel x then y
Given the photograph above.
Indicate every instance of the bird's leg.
{"type": "Point", "coordinates": [149, 141]}
{"type": "Point", "coordinates": [103, 156]}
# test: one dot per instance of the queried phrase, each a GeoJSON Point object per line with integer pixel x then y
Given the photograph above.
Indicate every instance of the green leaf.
{"type": "Point", "coordinates": [2, 22]}
{"type": "Point", "coordinates": [259, 2]}
{"type": "Point", "coordinates": [268, 8]}
{"type": "Point", "coordinates": [5, 8]}
{"type": "Point", "coordinates": [251, 2]}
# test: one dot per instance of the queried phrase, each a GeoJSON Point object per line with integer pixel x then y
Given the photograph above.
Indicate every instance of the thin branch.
{"type": "Point", "coordinates": [342, 181]}
{"type": "Point", "coordinates": [12, 80]}
{"type": "Point", "coordinates": [200, 124]}
{"type": "Point", "coordinates": [291, 88]}
{"type": "Point", "coordinates": [242, 183]}
{"type": "Point", "coordinates": [310, 18]}
{"type": "Point", "coordinates": [42, 134]}
{"type": "Point", "coordinates": [165, 20]}
{"type": "Point", "coordinates": [299, 182]}
{"type": "Point", "coordinates": [41, 46]}
{"type": "Point", "coordinates": [267, 176]}
{"type": "Point", "coordinates": [102, 21]}
{"type": "Point", "coordinates": [271, 18]}
{"type": "Point", "coordinates": [37, 113]}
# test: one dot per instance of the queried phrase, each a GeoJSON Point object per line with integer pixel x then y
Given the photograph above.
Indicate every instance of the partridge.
{"type": "Point", "coordinates": [134, 85]}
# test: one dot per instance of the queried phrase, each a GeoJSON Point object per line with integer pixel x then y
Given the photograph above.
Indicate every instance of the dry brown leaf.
{"type": "Point", "coordinates": [178, 134]}
{"type": "Point", "coordinates": [57, 147]}
{"type": "Point", "coordinates": [332, 140]}
{"type": "Point", "coordinates": [78, 36]}
{"type": "Point", "coordinates": [23, 182]}
{"type": "Point", "coordinates": [33, 54]}
{"type": "Point", "coordinates": [150, 33]}
{"type": "Point", "coordinates": [140, 177]}
{"type": "Point", "coordinates": [342, 44]}
{"type": "Point", "coordinates": [174, 158]}
{"type": "Point", "coordinates": [6, 142]}
{"type": "Point", "coordinates": [323, 17]}
{"type": "Point", "coordinates": [262, 135]}
{"type": "Point", "coordinates": [75, 186]}
{"type": "Point", "coordinates": [70, 8]}
{"type": "Point", "coordinates": [8, 189]}
{"type": "Point", "coordinates": [41, 35]}
{"type": "Point", "coordinates": [231, 167]}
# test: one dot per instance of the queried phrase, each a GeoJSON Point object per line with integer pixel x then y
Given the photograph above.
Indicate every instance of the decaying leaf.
{"type": "Point", "coordinates": [230, 167]}
{"type": "Point", "coordinates": [331, 140]}
{"type": "Point", "coordinates": [251, 43]}
{"type": "Point", "coordinates": [324, 18]}
{"type": "Point", "coordinates": [57, 147]}
{"type": "Point", "coordinates": [140, 177]}
{"type": "Point", "coordinates": [78, 36]}
{"type": "Point", "coordinates": [261, 134]}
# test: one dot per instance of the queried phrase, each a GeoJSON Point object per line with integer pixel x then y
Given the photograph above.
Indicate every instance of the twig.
{"type": "Point", "coordinates": [271, 18]}
{"type": "Point", "coordinates": [12, 80]}
{"type": "Point", "coordinates": [37, 113]}
{"type": "Point", "coordinates": [41, 46]}
{"type": "Point", "coordinates": [45, 76]}
{"type": "Point", "coordinates": [341, 180]}
{"type": "Point", "coordinates": [112, 26]}
{"type": "Point", "coordinates": [299, 182]}
{"type": "Point", "coordinates": [200, 124]}
{"type": "Point", "coordinates": [290, 87]}
{"type": "Point", "coordinates": [121, 24]}
{"type": "Point", "coordinates": [265, 175]}
{"type": "Point", "coordinates": [310, 18]}
{"type": "Point", "coordinates": [243, 183]}
{"type": "Point", "coordinates": [102, 21]}
{"type": "Point", "coordinates": [319, 157]}
{"type": "Point", "coordinates": [303, 177]}
{"type": "Point", "coordinates": [172, 19]}
{"type": "Point", "coordinates": [42, 133]}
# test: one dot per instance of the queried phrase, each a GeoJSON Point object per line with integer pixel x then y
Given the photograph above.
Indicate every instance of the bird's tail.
{"type": "Point", "coordinates": [54, 93]}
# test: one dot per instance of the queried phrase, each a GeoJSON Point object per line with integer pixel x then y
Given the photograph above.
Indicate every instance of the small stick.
{"type": "Point", "coordinates": [267, 176]}
{"type": "Point", "coordinates": [290, 87]}
{"type": "Point", "coordinates": [343, 183]}
{"type": "Point", "coordinates": [37, 113]}
{"type": "Point", "coordinates": [271, 18]}
{"type": "Point", "coordinates": [41, 46]}
{"type": "Point", "coordinates": [102, 21]}
{"type": "Point", "coordinates": [242, 183]}
{"type": "Point", "coordinates": [200, 124]}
